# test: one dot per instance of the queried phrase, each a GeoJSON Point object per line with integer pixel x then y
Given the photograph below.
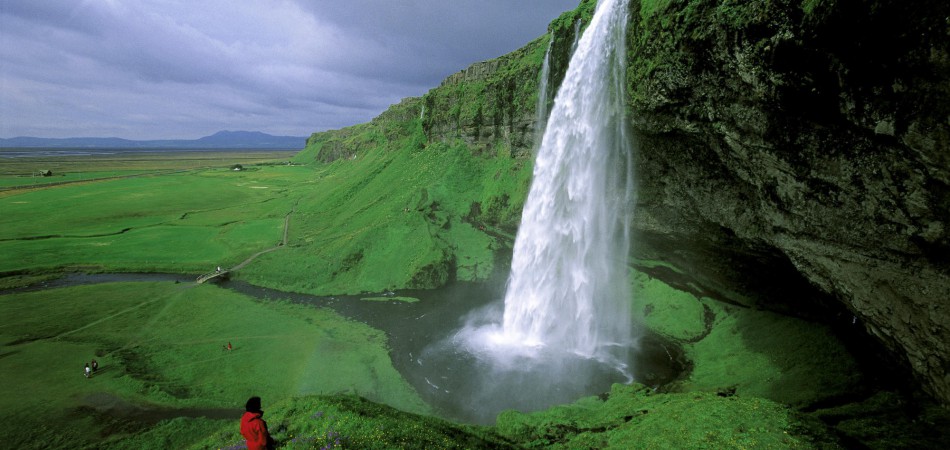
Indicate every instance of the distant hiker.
{"type": "Point", "coordinates": [88, 371]}
{"type": "Point", "coordinates": [229, 346]}
{"type": "Point", "coordinates": [95, 366]}
{"type": "Point", "coordinates": [253, 428]}
{"type": "Point", "coordinates": [219, 268]}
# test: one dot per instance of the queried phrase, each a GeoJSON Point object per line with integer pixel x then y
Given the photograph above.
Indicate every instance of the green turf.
{"type": "Point", "coordinates": [162, 345]}
{"type": "Point", "coordinates": [374, 207]}
{"type": "Point", "coordinates": [345, 421]}
{"type": "Point", "coordinates": [177, 223]}
{"type": "Point", "coordinates": [354, 232]}
{"type": "Point", "coordinates": [634, 417]}
{"type": "Point", "coordinates": [748, 352]}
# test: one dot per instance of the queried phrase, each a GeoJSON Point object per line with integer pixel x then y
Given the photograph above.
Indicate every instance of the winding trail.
{"type": "Point", "coordinates": [282, 244]}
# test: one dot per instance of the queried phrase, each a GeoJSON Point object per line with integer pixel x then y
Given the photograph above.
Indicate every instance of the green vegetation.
{"type": "Point", "coordinates": [635, 417]}
{"type": "Point", "coordinates": [69, 169]}
{"type": "Point", "coordinates": [649, 8]}
{"type": "Point", "coordinates": [424, 194]}
{"type": "Point", "coordinates": [161, 346]}
{"type": "Point", "coordinates": [393, 217]}
{"type": "Point", "coordinates": [187, 222]}
{"type": "Point", "coordinates": [747, 352]}
{"type": "Point", "coordinates": [162, 352]}
{"type": "Point", "coordinates": [345, 421]}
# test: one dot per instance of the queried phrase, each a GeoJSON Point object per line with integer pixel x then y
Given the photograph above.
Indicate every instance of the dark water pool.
{"type": "Point", "coordinates": [468, 388]}
{"type": "Point", "coordinates": [458, 384]}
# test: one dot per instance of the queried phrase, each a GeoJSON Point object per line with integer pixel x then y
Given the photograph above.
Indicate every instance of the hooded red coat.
{"type": "Point", "coordinates": [254, 429]}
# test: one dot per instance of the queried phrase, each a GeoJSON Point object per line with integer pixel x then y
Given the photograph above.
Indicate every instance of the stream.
{"type": "Point", "coordinates": [457, 385]}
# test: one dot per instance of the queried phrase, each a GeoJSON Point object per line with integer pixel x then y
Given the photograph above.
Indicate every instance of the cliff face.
{"type": "Point", "coordinates": [492, 104]}
{"type": "Point", "coordinates": [796, 153]}
{"type": "Point", "coordinates": [792, 155]}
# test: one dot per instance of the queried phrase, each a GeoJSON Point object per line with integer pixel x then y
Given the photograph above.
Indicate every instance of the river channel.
{"type": "Point", "coordinates": [458, 385]}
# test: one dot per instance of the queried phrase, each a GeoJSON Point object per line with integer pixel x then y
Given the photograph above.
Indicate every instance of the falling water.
{"type": "Point", "coordinates": [541, 110]}
{"type": "Point", "coordinates": [569, 287]}
{"type": "Point", "coordinates": [564, 330]}
{"type": "Point", "coordinates": [577, 35]}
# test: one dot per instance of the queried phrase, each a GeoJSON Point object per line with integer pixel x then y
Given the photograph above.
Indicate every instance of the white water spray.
{"type": "Point", "coordinates": [569, 287]}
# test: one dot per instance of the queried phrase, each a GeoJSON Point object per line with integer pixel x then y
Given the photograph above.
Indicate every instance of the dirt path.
{"type": "Point", "coordinates": [282, 244]}
{"type": "Point", "coordinates": [103, 319]}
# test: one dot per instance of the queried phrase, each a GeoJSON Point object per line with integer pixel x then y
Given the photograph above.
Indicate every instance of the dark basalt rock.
{"type": "Point", "coordinates": [798, 153]}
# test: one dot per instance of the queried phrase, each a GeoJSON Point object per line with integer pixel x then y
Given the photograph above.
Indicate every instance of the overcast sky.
{"type": "Point", "coordinates": [183, 69]}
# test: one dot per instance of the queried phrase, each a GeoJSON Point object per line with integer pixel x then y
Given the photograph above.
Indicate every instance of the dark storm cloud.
{"type": "Point", "coordinates": [179, 68]}
{"type": "Point", "coordinates": [434, 34]}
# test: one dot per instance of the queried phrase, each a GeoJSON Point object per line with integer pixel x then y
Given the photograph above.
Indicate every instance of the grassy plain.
{"type": "Point", "coordinates": [376, 220]}
{"type": "Point", "coordinates": [24, 172]}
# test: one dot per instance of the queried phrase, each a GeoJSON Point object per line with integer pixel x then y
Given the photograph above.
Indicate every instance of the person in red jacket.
{"type": "Point", "coordinates": [253, 428]}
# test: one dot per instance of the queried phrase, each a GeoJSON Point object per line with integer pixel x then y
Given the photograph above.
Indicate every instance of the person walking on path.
{"type": "Point", "coordinates": [88, 371]}
{"type": "Point", "coordinates": [253, 427]}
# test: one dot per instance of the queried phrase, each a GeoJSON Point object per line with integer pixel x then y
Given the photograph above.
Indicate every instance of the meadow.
{"type": "Point", "coordinates": [389, 218]}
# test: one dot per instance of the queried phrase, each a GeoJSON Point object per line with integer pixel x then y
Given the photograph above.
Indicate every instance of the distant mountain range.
{"type": "Point", "coordinates": [219, 140]}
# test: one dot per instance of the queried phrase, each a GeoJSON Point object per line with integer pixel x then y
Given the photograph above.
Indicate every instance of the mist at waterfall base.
{"type": "Point", "coordinates": [565, 328]}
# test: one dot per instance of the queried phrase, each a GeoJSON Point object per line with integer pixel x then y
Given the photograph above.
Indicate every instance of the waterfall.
{"type": "Point", "coordinates": [569, 286]}
{"type": "Point", "coordinates": [564, 329]}
{"type": "Point", "coordinates": [541, 110]}
{"type": "Point", "coordinates": [577, 35]}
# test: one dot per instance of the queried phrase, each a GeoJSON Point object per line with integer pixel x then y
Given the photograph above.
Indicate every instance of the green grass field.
{"type": "Point", "coordinates": [161, 346]}
{"type": "Point", "coordinates": [384, 218]}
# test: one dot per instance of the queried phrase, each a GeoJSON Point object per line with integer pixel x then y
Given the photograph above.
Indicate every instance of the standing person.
{"type": "Point", "coordinates": [95, 366]}
{"type": "Point", "coordinates": [88, 371]}
{"type": "Point", "coordinates": [253, 427]}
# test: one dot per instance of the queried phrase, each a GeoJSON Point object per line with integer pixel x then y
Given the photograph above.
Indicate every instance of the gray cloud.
{"type": "Point", "coordinates": [144, 69]}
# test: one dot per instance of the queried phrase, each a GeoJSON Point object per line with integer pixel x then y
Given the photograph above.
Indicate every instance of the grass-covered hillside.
{"type": "Point", "coordinates": [425, 194]}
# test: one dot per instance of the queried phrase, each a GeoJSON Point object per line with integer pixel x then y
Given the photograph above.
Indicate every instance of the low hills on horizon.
{"type": "Point", "coordinates": [219, 140]}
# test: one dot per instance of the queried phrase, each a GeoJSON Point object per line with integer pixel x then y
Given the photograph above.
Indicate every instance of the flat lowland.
{"type": "Point", "coordinates": [27, 172]}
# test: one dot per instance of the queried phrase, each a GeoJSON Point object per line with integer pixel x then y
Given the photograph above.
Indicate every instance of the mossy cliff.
{"type": "Point", "coordinates": [493, 103]}
{"type": "Point", "coordinates": [792, 155]}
